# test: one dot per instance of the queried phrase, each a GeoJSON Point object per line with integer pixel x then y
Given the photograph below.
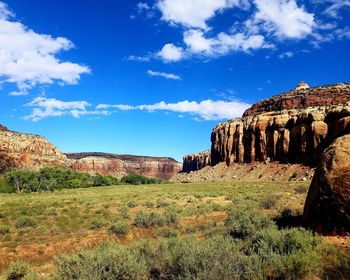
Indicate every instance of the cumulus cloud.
{"type": "Point", "coordinates": [194, 13]}
{"type": "Point", "coordinates": [170, 53]}
{"type": "Point", "coordinates": [28, 58]}
{"type": "Point", "coordinates": [207, 110]}
{"type": "Point", "coordinates": [284, 18]}
{"type": "Point", "coordinates": [43, 107]}
{"type": "Point", "coordinates": [167, 76]}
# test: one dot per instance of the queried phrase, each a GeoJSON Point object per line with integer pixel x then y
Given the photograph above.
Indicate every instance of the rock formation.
{"type": "Point", "coordinates": [121, 165]}
{"type": "Point", "coordinates": [294, 127]}
{"type": "Point", "coordinates": [327, 206]}
{"type": "Point", "coordinates": [196, 162]}
{"type": "Point", "coordinates": [33, 152]}
{"type": "Point", "coordinates": [27, 151]}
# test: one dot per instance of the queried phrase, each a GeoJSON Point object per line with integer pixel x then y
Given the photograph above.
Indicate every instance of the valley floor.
{"type": "Point", "coordinates": [37, 227]}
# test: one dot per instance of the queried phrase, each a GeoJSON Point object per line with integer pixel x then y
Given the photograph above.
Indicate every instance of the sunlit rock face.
{"type": "Point", "coordinates": [293, 127]}
{"type": "Point", "coordinates": [26, 151]}
{"type": "Point", "coordinates": [120, 165]}
{"type": "Point", "coordinates": [327, 206]}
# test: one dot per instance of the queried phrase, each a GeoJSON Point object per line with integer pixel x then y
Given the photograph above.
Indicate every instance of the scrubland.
{"type": "Point", "coordinates": [241, 230]}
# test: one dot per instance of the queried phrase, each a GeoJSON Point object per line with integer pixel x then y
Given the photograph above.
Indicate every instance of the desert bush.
{"type": "Point", "coordinates": [336, 262]}
{"type": "Point", "coordinates": [4, 229]}
{"type": "Point", "coordinates": [302, 189]}
{"type": "Point", "coordinates": [97, 224]}
{"type": "Point", "coordinates": [289, 253]}
{"type": "Point", "coordinates": [170, 216]}
{"type": "Point", "coordinates": [119, 228]}
{"type": "Point", "coordinates": [20, 271]}
{"type": "Point", "coordinates": [149, 204]}
{"type": "Point", "coordinates": [132, 204]}
{"type": "Point", "coordinates": [106, 262]}
{"type": "Point", "coordinates": [269, 201]}
{"type": "Point", "coordinates": [245, 224]}
{"type": "Point", "coordinates": [161, 203]}
{"type": "Point", "coordinates": [124, 212]}
{"type": "Point", "coordinates": [148, 220]}
{"type": "Point", "coordinates": [25, 222]}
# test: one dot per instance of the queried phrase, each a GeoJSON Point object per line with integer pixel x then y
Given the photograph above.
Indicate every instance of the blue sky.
{"type": "Point", "coordinates": [154, 77]}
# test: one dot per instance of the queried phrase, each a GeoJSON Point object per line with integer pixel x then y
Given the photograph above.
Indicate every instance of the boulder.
{"type": "Point", "coordinates": [327, 206]}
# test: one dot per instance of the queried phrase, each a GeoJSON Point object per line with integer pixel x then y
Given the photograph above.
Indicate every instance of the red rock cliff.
{"type": "Point", "coordinates": [293, 127]}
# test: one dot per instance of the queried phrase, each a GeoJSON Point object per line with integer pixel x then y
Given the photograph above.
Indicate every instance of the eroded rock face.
{"type": "Point", "coordinates": [327, 206]}
{"type": "Point", "coordinates": [294, 127]}
{"type": "Point", "coordinates": [28, 151]}
{"type": "Point", "coordinates": [196, 162]}
{"type": "Point", "coordinates": [121, 165]}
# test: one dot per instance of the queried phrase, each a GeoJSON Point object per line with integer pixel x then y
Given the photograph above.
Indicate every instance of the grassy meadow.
{"type": "Point", "coordinates": [37, 227]}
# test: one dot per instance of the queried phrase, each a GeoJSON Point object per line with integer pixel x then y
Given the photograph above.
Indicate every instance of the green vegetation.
{"type": "Point", "coordinates": [50, 179]}
{"type": "Point", "coordinates": [172, 231]}
{"type": "Point", "coordinates": [134, 179]}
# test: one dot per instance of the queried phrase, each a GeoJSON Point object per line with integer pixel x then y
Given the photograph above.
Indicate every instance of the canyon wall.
{"type": "Point", "coordinates": [196, 162]}
{"type": "Point", "coordinates": [20, 150]}
{"type": "Point", "coordinates": [121, 165]}
{"type": "Point", "coordinates": [33, 152]}
{"type": "Point", "coordinates": [294, 127]}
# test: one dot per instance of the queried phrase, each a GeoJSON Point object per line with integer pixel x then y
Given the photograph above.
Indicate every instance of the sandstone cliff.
{"type": "Point", "coordinates": [33, 152]}
{"type": "Point", "coordinates": [120, 165]}
{"type": "Point", "coordinates": [196, 162]}
{"type": "Point", "coordinates": [27, 151]}
{"type": "Point", "coordinates": [294, 127]}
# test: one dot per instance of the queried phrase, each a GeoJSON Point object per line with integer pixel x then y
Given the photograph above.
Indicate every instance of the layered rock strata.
{"type": "Point", "coordinates": [120, 165]}
{"type": "Point", "coordinates": [294, 127]}
{"type": "Point", "coordinates": [27, 151]}
{"type": "Point", "coordinates": [196, 162]}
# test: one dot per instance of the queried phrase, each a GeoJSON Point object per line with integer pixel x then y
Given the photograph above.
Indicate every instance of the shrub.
{"type": "Point", "coordinates": [106, 262]}
{"type": "Point", "coordinates": [97, 224]}
{"type": "Point", "coordinates": [148, 220]}
{"type": "Point", "coordinates": [124, 211]}
{"type": "Point", "coordinates": [132, 204]}
{"type": "Point", "coordinates": [302, 189]}
{"type": "Point", "coordinates": [289, 253]}
{"type": "Point", "coordinates": [162, 203]}
{"type": "Point", "coordinates": [170, 216]}
{"type": "Point", "coordinates": [149, 204]}
{"type": "Point", "coordinates": [18, 270]}
{"type": "Point", "coordinates": [269, 201]}
{"type": "Point", "coordinates": [119, 228]}
{"type": "Point", "coordinates": [286, 212]}
{"type": "Point", "coordinates": [26, 222]}
{"type": "Point", "coordinates": [245, 224]}
{"type": "Point", "coordinates": [4, 229]}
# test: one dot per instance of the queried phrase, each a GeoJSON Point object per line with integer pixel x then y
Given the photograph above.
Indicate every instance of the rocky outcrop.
{"type": "Point", "coordinates": [327, 206]}
{"type": "Point", "coordinates": [121, 165]}
{"type": "Point", "coordinates": [27, 151]}
{"type": "Point", "coordinates": [196, 162]}
{"type": "Point", "coordinates": [33, 152]}
{"type": "Point", "coordinates": [294, 127]}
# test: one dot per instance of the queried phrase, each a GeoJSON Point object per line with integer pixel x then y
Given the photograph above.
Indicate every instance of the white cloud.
{"type": "Point", "coordinates": [170, 53]}
{"type": "Point", "coordinates": [284, 18]}
{"type": "Point", "coordinates": [195, 13]}
{"type": "Point", "coordinates": [208, 110]}
{"type": "Point", "coordinates": [50, 107]}
{"type": "Point", "coordinates": [139, 58]}
{"type": "Point", "coordinates": [333, 6]}
{"type": "Point", "coordinates": [28, 58]}
{"type": "Point", "coordinates": [168, 76]}
{"type": "Point", "coordinates": [286, 55]}
{"type": "Point", "coordinates": [222, 44]}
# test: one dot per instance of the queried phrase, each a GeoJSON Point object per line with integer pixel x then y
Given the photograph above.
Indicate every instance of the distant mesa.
{"type": "Point", "coordinates": [33, 152]}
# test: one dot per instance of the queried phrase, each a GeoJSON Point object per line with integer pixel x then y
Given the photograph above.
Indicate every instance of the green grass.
{"type": "Point", "coordinates": [169, 210]}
